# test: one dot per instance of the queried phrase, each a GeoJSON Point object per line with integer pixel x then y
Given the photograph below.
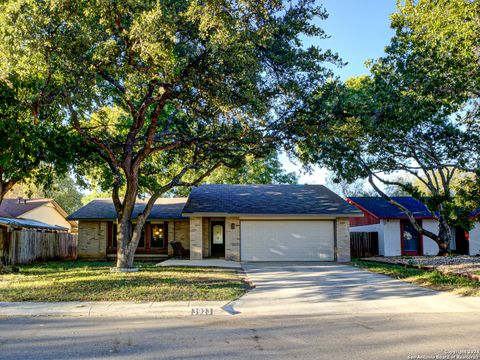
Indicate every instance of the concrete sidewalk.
{"type": "Point", "coordinates": [112, 309]}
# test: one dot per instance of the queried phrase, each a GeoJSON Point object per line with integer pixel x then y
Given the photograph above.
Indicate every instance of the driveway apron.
{"type": "Point", "coordinates": [328, 288]}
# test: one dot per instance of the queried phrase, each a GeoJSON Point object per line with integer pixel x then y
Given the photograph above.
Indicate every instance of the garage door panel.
{"type": "Point", "coordinates": [287, 240]}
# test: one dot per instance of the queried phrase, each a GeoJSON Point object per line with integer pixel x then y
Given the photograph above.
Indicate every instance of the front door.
{"type": "Point", "coordinates": [218, 238]}
{"type": "Point", "coordinates": [411, 239]}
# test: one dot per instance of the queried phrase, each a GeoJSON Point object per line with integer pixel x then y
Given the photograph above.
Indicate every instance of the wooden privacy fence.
{"type": "Point", "coordinates": [26, 246]}
{"type": "Point", "coordinates": [363, 244]}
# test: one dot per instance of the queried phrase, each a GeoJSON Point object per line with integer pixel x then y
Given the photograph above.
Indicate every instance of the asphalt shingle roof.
{"type": "Point", "coordinates": [103, 209]}
{"type": "Point", "coordinates": [27, 223]}
{"type": "Point", "coordinates": [268, 200]}
{"type": "Point", "coordinates": [382, 209]}
{"type": "Point", "coordinates": [12, 208]}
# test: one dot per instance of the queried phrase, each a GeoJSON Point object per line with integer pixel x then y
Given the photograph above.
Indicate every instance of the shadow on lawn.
{"type": "Point", "coordinates": [51, 267]}
{"type": "Point", "coordinates": [82, 281]}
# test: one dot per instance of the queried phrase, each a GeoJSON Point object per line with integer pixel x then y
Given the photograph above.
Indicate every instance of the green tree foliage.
{"type": "Point", "coordinates": [29, 148]}
{"type": "Point", "coordinates": [346, 189]}
{"type": "Point", "coordinates": [416, 113]}
{"type": "Point", "coordinates": [168, 90]}
{"type": "Point", "coordinates": [361, 187]}
{"type": "Point", "coordinates": [264, 170]}
{"type": "Point", "coordinates": [95, 193]}
{"type": "Point", "coordinates": [62, 189]}
{"type": "Point", "coordinates": [34, 144]}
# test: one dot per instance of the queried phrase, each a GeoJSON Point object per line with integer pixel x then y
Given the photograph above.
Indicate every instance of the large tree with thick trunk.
{"type": "Point", "coordinates": [169, 90]}
{"type": "Point", "coordinates": [416, 113]}
{"type": "Point", "coordinates": [364, 146]}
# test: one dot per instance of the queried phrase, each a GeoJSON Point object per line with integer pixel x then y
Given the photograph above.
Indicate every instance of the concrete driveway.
{"type": "Point", "coordinates": [327, 288]}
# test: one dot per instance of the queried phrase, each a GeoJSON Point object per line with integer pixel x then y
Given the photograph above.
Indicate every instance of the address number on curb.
{"type": "Point", "coordinates": [202, 311]}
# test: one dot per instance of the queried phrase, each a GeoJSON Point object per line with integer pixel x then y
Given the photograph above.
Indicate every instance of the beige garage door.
{"type": "Point", "coordinates": [287, 240]}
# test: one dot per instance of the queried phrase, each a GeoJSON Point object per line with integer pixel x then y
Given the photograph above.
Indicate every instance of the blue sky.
{"type": "Point", "coordinates": [359, 30]}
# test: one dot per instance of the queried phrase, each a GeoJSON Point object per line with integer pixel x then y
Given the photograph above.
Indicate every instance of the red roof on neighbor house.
{"type": "Point", "coordinates": [13, 208]}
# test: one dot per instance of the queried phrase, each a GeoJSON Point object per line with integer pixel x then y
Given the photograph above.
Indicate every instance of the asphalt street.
{"type": "Point", "coordinates": [376, 336]}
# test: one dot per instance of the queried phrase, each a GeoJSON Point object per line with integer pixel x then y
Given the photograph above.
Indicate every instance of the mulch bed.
{"type": "Point", "coordinates": [462, 265]}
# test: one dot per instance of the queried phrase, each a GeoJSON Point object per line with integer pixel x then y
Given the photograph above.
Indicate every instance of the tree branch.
{"type": "Point", "coordinates": [110, 155]}
{"type": "Point", "coordinates": [405, 210]}
{"type": "Point", "coordinates": [150, 136]}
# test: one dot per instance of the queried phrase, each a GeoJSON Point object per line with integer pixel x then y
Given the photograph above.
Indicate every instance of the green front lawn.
{"type": "Point", "coordinates": [93, 281]}
{"type": "Point", "coordinates": [432, 279]}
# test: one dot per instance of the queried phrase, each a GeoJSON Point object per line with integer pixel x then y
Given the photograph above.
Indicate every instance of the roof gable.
{"type": "Point", "coordinates": [267, 200]}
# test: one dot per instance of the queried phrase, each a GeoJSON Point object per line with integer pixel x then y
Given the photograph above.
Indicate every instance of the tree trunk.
{"type": "Point", "coordinates": [126, 252]}
{"type": "Point", "coordinates": [128, 234]}
{"type": "Point", "coordinates": [124, 234]}
{"type": "Point", "coordinates": [3, 253]}
{"type": "Point", "coordinates": [3, 268]}
{"type": "Point", "coordinates": [444, 237]}
{"type": "Point", "coordinates": [128, 238]}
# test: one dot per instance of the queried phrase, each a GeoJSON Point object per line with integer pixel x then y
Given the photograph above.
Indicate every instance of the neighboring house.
{"type": "Point", "coordinates": [43, 214]}
{"type": "Point", "coordinates": [397, 236]}
{"type": "Point", "coordinates": [235, 222]}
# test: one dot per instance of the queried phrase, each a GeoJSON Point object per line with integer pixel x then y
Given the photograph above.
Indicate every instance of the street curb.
{"type": "Point", "coordinates": [113, 309]}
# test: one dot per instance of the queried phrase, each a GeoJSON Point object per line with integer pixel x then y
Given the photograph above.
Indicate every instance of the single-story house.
{"type": "Point", "coordinates": [397, 236]}
{"type": "Point", "coordinates": [35, 229]}
{"type": "Point", "coordinates": [41, 214]}
{"type": "Point", "coordinates": [235, 222]}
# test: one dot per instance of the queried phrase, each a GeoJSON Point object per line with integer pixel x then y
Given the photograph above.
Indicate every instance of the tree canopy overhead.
{"type": "Point", "coordinates": [62, 189]}
{"type": "Point", "coordinates": [416, 112]}
{"type": "Point", "coordinates": [34, 144]}
{"type": "Point", "coordinates": [168, 90]}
